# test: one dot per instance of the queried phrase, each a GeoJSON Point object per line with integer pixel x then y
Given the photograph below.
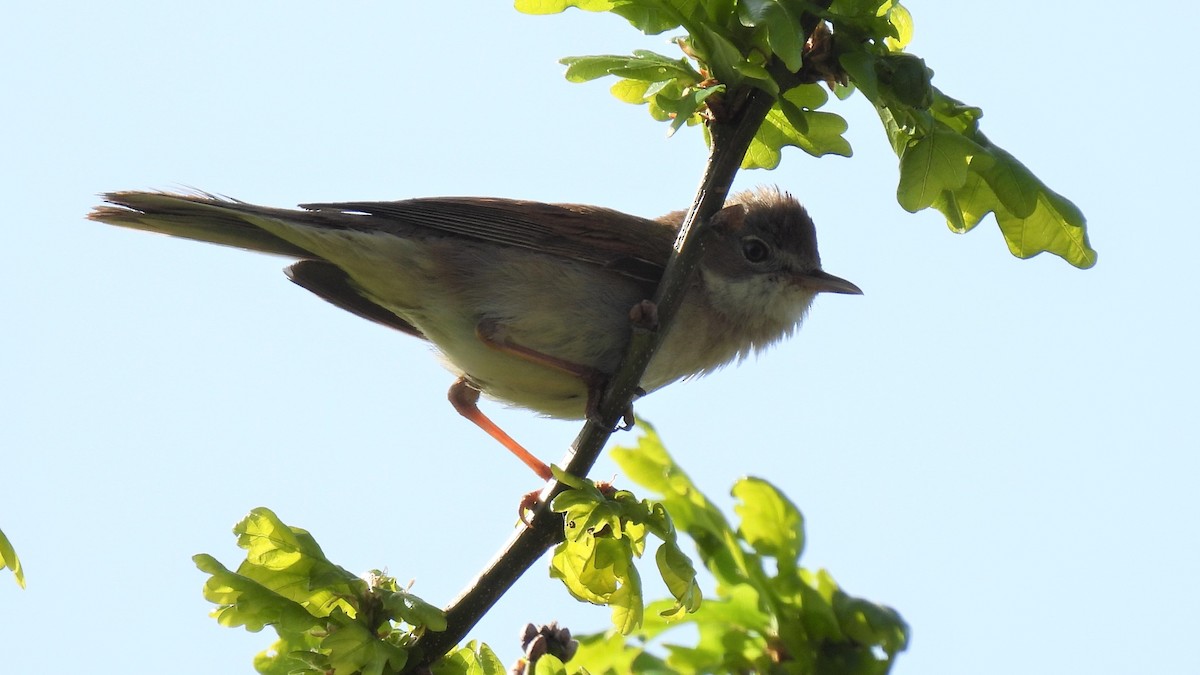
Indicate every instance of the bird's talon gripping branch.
{"type": "Point", "coordinates": [644, 315]}
{"type": "Point", "coordinates": [627, 420]}
{"type": "Point", "coordinates": [528, 503]}
{"type": "Point", "coordinates": [596, 388]}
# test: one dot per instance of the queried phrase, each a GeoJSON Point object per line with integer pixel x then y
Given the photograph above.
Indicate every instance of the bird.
{"type": "Point", "coordinates": [526, 302]}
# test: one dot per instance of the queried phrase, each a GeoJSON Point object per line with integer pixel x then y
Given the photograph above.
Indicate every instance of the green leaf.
{"type": "Point", "coordinates": [649, 465]}
{"type": "Point", "coordinates": [557, 6]}
{"type": "Point", "coordinates": [680, 576]}
{"type": "Point", "coordinates": [327, 619]}
{"type": "Point", "coordinates": [739, 607]}
{"type": "Point", "coordinates": [960, 117]}
{"type": "Point", "coordinates": [270, 543]}
{"type": "Point", "coordinates": [600, 570]}
{"type": "Point", "coordinates": [815, 594]}
{"type": "Point", "coordinates": [549, 664]}
{"type": "Point", "coordinates": [931, 165]}
{"type": "Point", "coordinates": [1051, 224]}
{"type": "Point", "coordinates": [294, 655]}
{"type": "Point", "coordinates": [947, 163]}
{"type": "Point", "coordinates": [627, 603]}
{"type": "Point", "coordinates": [906, 80]}
{"type": "Point", "coordinates": [771, 524]}
{"type": "Point", "coordinates": [870, 624]}
{"type": "Point", "coordinates": [475, 658]}
{"type": "Point", "coordinates": [608, 653]}
{"type": "Point", "coordinates": [1015, 186]}
{"type": "Point", "coordinates": [851, 8]}
{"type": "Point", "coordinates": [604, 533]}
{"type": "Point", "coordinates": [651, 18]}
{"type": "Point", "coordinates": [784, 34]}
{"type": "Point", "coordinates": [413, 610]}
{"type": "Point", "coordinates": [631, 91]}
{"type": "Point", "coordinates": [794, 121]}
{"type": "Point", "coordinates": [902, 21]}
{"type": "Point", "coordinates": [354, 649]}
{"type": "Point", "coordinates": [1056, 225]}
{"type": "Point", "coordinates": [722, 56]}
{"type": "Point", "coordinates": [288, 561]}
{"type": "Point", "coordinates": [587, 68]}
{"type": "Point", "coordinates": [643, 65]}
{"type": "Point", "coordinates": [685, 108]}
{"type": "Point", "coordinates": [242, 601]}
{"type": "Point", "coordinates": [9, 559]}
{"type": "Point", "coordinates": [965, 207]}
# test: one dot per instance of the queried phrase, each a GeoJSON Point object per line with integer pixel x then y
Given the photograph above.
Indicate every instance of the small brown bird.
{"type": "Point", "coordinates": [527, 302]}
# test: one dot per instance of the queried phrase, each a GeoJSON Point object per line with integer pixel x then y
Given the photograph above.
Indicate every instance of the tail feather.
{"type": "Point", "coordinates": [199, 217]}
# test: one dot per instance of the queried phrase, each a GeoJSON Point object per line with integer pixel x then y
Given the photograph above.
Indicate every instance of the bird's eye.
{"type": "Point", "coordinates": [755, 250]}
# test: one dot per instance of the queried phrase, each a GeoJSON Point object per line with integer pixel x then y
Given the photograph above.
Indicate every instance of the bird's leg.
{"type": "Point", "coordinates": [491, 333]}
{"type": "Point", "coordinates": [465, 398]}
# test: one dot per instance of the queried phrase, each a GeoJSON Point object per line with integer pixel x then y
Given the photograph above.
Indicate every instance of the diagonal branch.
{"type": "Point", "coordinates": [731, 136]}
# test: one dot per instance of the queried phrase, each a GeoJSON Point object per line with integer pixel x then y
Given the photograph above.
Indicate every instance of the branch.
{"type": "Point", "coordinates": [731, 135]}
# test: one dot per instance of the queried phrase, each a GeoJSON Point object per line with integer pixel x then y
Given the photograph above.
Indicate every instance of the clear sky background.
{"type": "Point", "coordinates": [1002, 450]}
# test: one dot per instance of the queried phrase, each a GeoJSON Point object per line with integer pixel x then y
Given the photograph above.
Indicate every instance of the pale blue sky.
{"type": "Point", "coordinates": [1000, 449]}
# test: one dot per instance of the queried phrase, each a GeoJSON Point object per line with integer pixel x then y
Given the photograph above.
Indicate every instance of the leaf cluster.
{"type": "Point", "coordinates": [769, 615]}
{"type": "Point", "coordinates": [728, 46]}
{"type": "Point", "coordinates": [328, 620]}
{"type": "Point", "coordinates": [605, 531]}
{"type": "Point", "coordinates": [785, 47]}
{"type": "Point", "coordinates": [946, 162]}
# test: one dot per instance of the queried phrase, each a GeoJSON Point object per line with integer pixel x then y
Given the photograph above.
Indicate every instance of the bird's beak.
{"type": "Point", "coordinates": [824, 282]}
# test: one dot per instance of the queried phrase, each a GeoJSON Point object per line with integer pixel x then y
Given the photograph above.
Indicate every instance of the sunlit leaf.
{"type": "Point", "coordinates": [474, 658]}
{"type": "Point", "coordinates": [1014, 185]}
{"type": "Point", "coordinates": [354, 649]}
{"type": "Point", "coordinates": [931, 165]}
{"type": "Point", "coordinates": [9, 559]}
{"type": "Point", "coordinates": [779, 618]}
{"type": "Point", "coordinates": [902, 21]}
{"type": "Point", "coordinates": [790, 123]}
{"type": "Point", "coordinates": [608, 653]}
{"type": "Point", "coordinates": [413, 610]}
{"type": "Point", "coordinates": [549, 664]}
{"type": "Point", "coordinates": [680, 576]}
{"type": "Point", "coordinates": [770, 523]}
{"type": "Point", "coordinates": [1056, 225]}
{"type": "Point", "coordinates": [556, 6]}
{"type": "Point", "coordinates": [242, 601]}
{"type": "Point", "coordinates": [784, 35]}
{"type": "Point", "coordinates": [868, 623]}
{"type": "Point", "coordinates": [315, 606]}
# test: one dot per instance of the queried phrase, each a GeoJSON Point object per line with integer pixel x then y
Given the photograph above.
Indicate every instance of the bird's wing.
{"type": "Point", "coordinates": [629, 245]}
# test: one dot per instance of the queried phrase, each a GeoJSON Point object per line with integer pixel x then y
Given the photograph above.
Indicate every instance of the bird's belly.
{"type": "Point", "coordinates": [514, 379]}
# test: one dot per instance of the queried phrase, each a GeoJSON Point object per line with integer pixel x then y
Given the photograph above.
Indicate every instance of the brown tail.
{"type": "Point", "coordinates": [199, 217]}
